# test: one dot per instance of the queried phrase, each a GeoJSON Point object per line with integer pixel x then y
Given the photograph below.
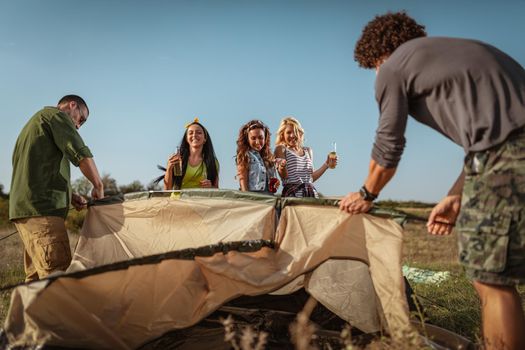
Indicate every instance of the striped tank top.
{"type": "Point", "coordinates": [299, 168]}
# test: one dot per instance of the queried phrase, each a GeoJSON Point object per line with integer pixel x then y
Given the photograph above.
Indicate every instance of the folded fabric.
{"type": "Point", "coordinates": [417, 275]}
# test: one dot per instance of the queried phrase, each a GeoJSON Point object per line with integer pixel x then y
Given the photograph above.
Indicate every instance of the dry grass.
{"type": "Point", "coordinates": [453, 304]}
{"type": "Point", "coordinates": [12, 256]}
{"type": "Point", "coordinates": [421, 248]}
{"type": "Point", "coordinates": [12, 264]}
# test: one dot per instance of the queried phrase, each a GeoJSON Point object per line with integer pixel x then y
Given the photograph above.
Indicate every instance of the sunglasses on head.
{"type": "Point", "coordinates": [256, 124]}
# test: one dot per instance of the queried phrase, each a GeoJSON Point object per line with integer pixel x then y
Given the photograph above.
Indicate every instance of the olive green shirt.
{"type": "Point", "coordinates": [40, 185]}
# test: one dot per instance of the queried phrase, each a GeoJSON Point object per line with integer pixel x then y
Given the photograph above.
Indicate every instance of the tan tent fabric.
{"type": "Point", "coordinates": [125, 308]}
{"type": "Point", "coordinates": [144, 227]}
{"type": "Point", "coordinates": [345, 288]}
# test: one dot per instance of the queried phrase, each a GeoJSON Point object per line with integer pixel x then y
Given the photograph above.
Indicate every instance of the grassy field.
{"type": "Point", "coordinates": [12, 264]}
{"type": "Point", "coordinates": [452, 304]}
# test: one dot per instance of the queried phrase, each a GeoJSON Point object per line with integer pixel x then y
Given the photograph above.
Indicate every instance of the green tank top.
{"type": "Point", "coordinates": [194, 175]}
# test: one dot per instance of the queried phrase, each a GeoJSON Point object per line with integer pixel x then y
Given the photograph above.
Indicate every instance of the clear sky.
{"type": "Point", "coordinates": [146, 68]}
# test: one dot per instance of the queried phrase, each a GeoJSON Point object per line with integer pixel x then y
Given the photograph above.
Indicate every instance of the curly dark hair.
{"type": "Point", "coordinates": [382, 35]}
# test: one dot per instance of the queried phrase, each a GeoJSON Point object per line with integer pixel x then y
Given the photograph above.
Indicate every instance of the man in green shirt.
{"type": "Point", "coordinates": [40, 187]}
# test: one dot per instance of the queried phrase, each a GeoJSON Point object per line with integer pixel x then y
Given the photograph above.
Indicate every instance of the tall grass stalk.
{"type": "Point", "coordinates": [302, 330]}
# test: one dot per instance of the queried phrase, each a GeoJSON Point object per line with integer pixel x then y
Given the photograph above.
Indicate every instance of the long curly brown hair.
{"type": "Point", "coordinates": [382, 35]}
{"type": "Point", "coordinates": [243, 146]}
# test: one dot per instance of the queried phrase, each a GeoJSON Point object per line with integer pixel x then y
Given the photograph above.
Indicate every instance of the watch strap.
{"type": "Point", "coordinates": [367, 195]}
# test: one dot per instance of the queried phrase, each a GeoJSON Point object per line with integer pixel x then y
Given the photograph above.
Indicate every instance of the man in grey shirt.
{"type": "Point", "coordinates": [474, 94]}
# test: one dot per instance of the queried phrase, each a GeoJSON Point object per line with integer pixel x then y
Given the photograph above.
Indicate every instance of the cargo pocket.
{"type": "Point", "coordinates": [54, 253]}
{"type": "Point", "coordinates": [483, 239]}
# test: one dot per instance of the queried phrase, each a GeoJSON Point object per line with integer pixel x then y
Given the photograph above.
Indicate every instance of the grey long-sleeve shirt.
{"type": "Point", "coordinates": [469, 91]}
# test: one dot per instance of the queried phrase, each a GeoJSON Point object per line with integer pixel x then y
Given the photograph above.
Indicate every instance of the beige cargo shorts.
{"type": "Point", "coordinates": [46, 245]}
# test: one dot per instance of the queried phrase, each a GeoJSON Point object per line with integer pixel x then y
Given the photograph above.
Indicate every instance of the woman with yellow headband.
{"type": "Point", "coordinates": [200, 168]}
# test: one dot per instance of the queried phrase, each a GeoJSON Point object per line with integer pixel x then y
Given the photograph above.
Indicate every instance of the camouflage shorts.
{"type": "Point", "coordinates": [491, 225]}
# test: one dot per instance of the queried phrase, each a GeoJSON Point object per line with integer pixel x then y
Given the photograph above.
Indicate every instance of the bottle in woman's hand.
{"type": "Point", "coordinates": [273, 184]}
{"type": "Point", "coordinates": [177, 165]}
{"type": "Point", "coordinates": [332, 157]}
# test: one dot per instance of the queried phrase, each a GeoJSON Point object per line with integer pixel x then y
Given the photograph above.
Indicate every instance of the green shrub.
{"type": "Point", "coordinates": [75, 220]}
{"type": "Point", "coordinates": [4, 212]}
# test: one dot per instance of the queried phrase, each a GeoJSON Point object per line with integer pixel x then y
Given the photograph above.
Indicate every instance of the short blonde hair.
{"type": "Point", "coordinates": [298, 129]}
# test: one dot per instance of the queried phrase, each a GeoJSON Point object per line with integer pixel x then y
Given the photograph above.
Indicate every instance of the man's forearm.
{"type": "Point", "coordinates": [378, 177]}
{"type": "Point", "coordinates": [89, 169]}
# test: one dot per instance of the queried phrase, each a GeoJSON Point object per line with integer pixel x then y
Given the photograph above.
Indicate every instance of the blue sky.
{"type": "Point", "coordinates": [146, 68]}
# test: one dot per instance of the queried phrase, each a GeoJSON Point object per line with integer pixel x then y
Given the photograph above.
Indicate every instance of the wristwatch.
{"type": "Point", "coordinates": [367, 195]}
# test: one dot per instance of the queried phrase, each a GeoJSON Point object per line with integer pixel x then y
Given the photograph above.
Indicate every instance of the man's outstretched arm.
{"type": "Point", "coordinates": [378, 177]}
{"type": "Point", "coordinates": [89, 169]}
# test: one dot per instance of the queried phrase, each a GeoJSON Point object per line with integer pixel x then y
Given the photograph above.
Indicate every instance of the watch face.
{"type": "Point", "coordinates": [365, 195]}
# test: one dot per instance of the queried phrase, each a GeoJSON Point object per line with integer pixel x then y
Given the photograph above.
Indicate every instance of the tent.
{"type": "Point", "coordinates": [157, 262]}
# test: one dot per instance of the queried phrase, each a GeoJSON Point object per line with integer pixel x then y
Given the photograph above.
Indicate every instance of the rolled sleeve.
{"type": "Point", "coordinates": [68, 139]}
{"type": "Point", "coordinates": [392, 100]}
{"type": "Point", "coordinates": [76, 155]}
{"type": "Point", "coordinates": [387, 154]}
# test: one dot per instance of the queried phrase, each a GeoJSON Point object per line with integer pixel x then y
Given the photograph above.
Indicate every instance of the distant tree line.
{"type": "Point", "coordinates": [83, 187]}
{"type": "Point", "coordinates": [404, 204]}
{"type": "Point", "coordinates": [4, 207]}
{"type": "Point", "coordinates": [2, 194]}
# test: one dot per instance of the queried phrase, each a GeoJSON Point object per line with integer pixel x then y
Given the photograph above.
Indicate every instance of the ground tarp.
{"type": "Point", "coordinates": [125, 285]}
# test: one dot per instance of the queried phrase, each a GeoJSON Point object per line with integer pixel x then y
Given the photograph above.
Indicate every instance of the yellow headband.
{"type": "Point", "coordinates": [196, 120]}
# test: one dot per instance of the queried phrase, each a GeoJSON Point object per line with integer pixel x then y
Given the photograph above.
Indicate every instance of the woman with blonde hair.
{"type": "Point", "coordinates": [255, 160]}
{"type": "Point", "coordinates": [295, 162]}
